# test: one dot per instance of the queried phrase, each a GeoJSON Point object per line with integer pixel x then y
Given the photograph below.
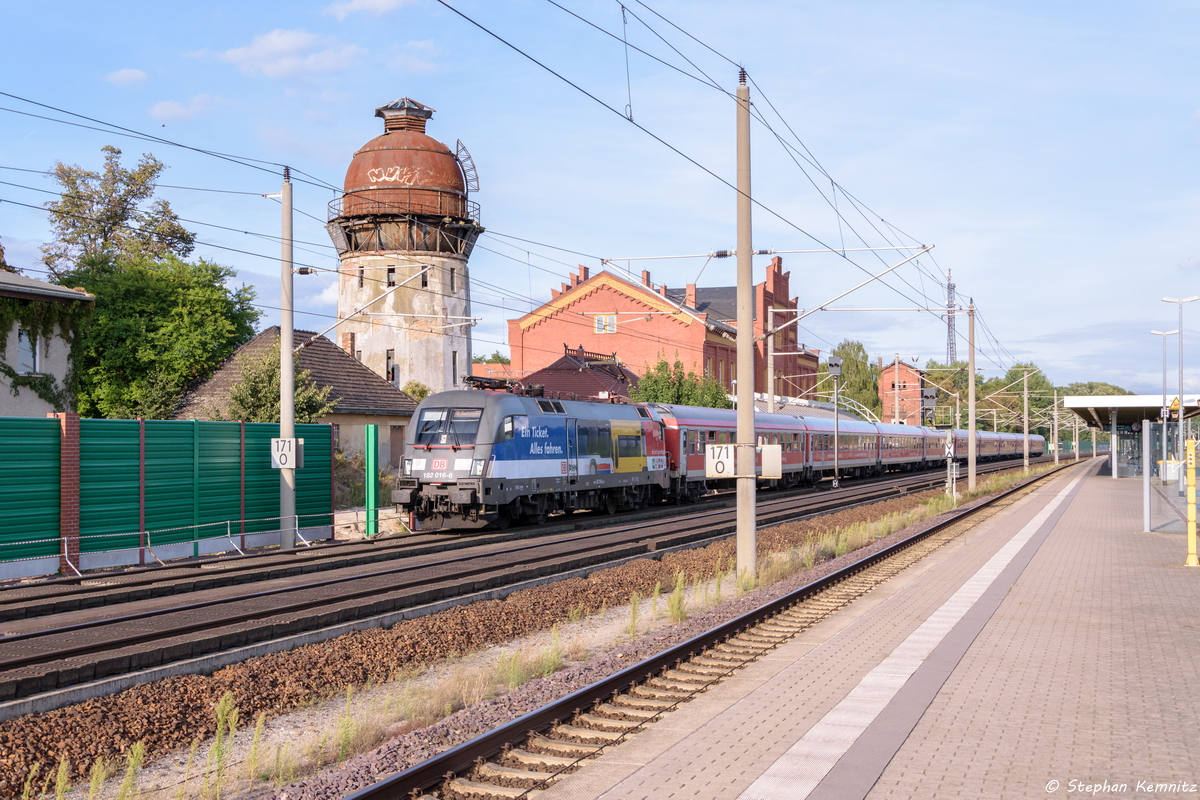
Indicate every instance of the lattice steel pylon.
{"type": "Point", "coordinates": [951, 349]}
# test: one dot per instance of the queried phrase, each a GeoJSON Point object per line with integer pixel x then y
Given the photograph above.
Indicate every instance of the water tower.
{"type": "Point", "coordinates": [404, 229]}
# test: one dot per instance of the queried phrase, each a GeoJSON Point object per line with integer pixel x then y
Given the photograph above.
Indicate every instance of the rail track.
{"type": "Point", "coordinates": [92, 643]}
{"type": "Point", "coordinates": [523, 757]}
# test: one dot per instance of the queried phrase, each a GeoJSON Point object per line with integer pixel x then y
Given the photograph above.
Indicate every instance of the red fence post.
{"type": "Point", "coordinates": [141, 491]}
{"type": "Point", "coordinates": [68, 490]}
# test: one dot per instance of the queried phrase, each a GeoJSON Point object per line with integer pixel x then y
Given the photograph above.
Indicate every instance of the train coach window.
{"type": "Point", "coordinates": [449, 426]}
{"type": "Point", "coordinates": [509, 426]}
{"type": "Point", "coordinates": [629, 446]}
{"type": "Point", "coordinates": [594, 439]}
{"type": "Point", "coordinates": [464, 425]}
{"type": "Point", "coordinates": [430, 425]}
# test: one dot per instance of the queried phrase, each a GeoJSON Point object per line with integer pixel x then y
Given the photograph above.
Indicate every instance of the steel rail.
{"type": "Point", "coordinates": [432, 772]}
{"type": "Point", "coordinates": [811, 504]}
{"type": "Point", "coordinates": [700, 521]}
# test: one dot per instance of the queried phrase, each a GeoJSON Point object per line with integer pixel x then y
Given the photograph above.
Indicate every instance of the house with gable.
{"type": "Point", "coordinates": [361, 396]}
{"type": "Point", "coordinates": [35, 345]}
{"type": "Point", "coordinates": [641, 322]}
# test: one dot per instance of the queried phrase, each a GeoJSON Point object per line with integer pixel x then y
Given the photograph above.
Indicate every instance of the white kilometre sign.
{"type": "Point", "coordinates": [719, 461]}
{"type": "Point", "coordinates": [287, 453]}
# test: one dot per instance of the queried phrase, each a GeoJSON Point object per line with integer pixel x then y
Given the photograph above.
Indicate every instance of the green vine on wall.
{"type": "Point", "coordinates": [43, 320]}
{"type": "Point", "coordinates": [44, 386]}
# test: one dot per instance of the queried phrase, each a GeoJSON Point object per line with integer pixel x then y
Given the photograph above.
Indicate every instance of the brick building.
{"type": "Point", "coordinates": [900, 393]}
{"type": "Point", "coordinates": [643, 322]}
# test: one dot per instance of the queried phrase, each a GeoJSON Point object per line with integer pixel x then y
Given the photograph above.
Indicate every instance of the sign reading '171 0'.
{"type": "Point", "coordinates": [718, 461]}
{"type": "Point", "coordinates": [287, 453]}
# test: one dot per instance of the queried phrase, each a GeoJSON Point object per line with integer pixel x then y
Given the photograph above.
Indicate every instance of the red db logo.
{"type": "Point", "coordinates": [439, 463]}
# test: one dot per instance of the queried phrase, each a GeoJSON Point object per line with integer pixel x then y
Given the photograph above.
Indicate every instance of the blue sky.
{"type": "Point", "coordinates": [1047, 150]}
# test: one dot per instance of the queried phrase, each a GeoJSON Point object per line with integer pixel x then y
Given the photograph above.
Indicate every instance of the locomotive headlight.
{"type": "Point", "coordinates": [406, 467]}
{"type": "Point", "coordinates": [477, 467]}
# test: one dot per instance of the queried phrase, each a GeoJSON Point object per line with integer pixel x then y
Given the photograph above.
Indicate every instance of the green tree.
{"type": "Point", "coordinates": [670, 383]}
{"type": "Point", "coordinates": [416, 390]}
{"type": "Point", "coordinates": [495, 358]}
{"type": "Point", "coordinates": [112, 213]}
{"type": "Point", "coordinates": [255, 397]}
{"type": "Point", "coordinates": [860, 378]}
{"type": "Point", "coordinates": [157, 325]}
{"type": "Point", "coordinates": [1006, 395]}
{"type": "Point", "coordinates": [1091, 389]}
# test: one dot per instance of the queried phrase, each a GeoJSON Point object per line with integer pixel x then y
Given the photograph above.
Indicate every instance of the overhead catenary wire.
{"type": "Point", "coordinates": [246, 161]}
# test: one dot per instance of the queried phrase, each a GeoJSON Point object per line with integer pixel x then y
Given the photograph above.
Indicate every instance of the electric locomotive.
{"type": "Point", "coordinates": [474, 458]}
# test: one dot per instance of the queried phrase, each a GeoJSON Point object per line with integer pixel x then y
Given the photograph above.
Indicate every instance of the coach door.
{"type": "Point", "coordinates": [572, 450]}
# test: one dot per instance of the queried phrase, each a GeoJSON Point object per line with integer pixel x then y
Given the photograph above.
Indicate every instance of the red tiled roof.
{"type": "Point", "coordinates": [357, 389]}
{"type": "Point", "coordinates": [577, 376]}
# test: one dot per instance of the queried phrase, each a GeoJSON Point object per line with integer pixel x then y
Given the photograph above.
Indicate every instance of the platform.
{"type": "Point", "coordinates": [1053, 643]}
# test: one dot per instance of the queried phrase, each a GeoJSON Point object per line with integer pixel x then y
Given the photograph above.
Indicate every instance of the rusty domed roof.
{"type": "Point", "coordinates": [404, 170]}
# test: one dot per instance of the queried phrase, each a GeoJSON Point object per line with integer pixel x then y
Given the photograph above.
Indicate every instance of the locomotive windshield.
{"type": "Point", "coordinates": [449, 426]}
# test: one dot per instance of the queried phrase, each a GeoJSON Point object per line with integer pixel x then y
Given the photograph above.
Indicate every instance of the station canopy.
{"type": "Point", "coordinates": [1097, 410]}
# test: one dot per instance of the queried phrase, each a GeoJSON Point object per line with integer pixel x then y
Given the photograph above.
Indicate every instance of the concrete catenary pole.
{"type": "Point", "coordinates": [1075, 437]}
{"type": "Point", "coordinates": [287, 379]}
{"type": "Point", "coordinates": [747, 544]}
{"type": "Point", "coordinates": [1025, 416]}
{"type": "Point", "coordinates": [971, 396]}
{"type": "Point", "coordinates": [771, 360]}
{"type": "Point", "coordinates": [1054, 433]}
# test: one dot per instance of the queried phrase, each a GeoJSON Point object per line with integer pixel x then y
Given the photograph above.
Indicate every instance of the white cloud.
{"type": "Point", "coordinates": [286, 53]}
{"type": "Point", "coordinates": [415, 56]}
{"type": "Point", "coordinates": [125, 77]}
{"type": "Point", "coordinates": [376, 7]}
{"type": "Point", "coordinates": [172, 110]}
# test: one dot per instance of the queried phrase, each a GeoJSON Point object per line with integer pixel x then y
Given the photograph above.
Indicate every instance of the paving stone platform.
{"type": "Point", "coordinates": [1049, 652]}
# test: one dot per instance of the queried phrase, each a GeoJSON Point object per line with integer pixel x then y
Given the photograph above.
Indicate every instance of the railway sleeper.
{"type": "Point", "coordinates": [540, 762]}
{"type": "Point", "coordinates": [756, 636]}
{"type": "Point", "coordinates": [679, 675]}
{"type": "Point", "coordinates": [564, 748]}
{"type": "Point", "coordinates": [500, 775]}
{"type": "Point", "coordinates": [736, 648]}
{"type": "Point", "coordinates": [465, 789]}
{"type": "Point", "coordinates": [677, 685]}
{"type": "Point", "coordinates": [661, 693]}
{"type": "Point", "coordinates": [588, 735]}
{"type": "Point", "coordinates": [626, 713]}
{"type": "Point", "coordinates": [724, 660]}
{"type": "Point", "coordinates": [706, 671]}
{"type": "Point", "coordinates": [646, 703]}
{"type": "Point", "coordinates": [606, 724]}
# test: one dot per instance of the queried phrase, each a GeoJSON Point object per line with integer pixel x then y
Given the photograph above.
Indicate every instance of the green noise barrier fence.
{"type": "Point", "coordinates": [74, 489]}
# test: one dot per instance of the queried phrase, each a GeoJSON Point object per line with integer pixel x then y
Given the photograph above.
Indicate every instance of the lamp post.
{"type": "Point", "coordinates": [1180, 301]}
{"type": "Point", "coordinates": [835, 372]}
{"type": "Point", "coordinates": [1165, 413]}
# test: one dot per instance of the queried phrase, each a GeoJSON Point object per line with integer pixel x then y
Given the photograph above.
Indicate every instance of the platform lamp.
{"type": "Point", "coordinates": [1165, 411]}
{"type": "Point", "coordinates": [1181, 301]}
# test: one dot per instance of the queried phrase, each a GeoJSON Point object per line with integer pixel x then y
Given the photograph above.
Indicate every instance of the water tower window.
{"type": "Point", "coordinates": [454, 367]}
{"type": "Point", "coordinates": [360, 277]}
{"type": "Point", "coordinates": [390, 369]}
{"type": "Point", "coordinates": [425, 279]}
{"type": "Point", "coordinates": [452, 289]}
{"type": "Point", "coordinates": [391, 276]}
